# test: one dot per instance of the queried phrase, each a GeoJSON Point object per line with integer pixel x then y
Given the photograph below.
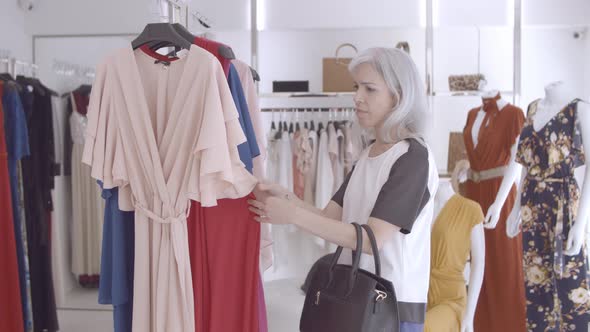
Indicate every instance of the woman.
{"type": "Point", "coordinates": [391, 188]}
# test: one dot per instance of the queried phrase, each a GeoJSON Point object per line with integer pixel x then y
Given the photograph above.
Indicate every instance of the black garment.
{"type": "Point", "coordinates": [38, 180]}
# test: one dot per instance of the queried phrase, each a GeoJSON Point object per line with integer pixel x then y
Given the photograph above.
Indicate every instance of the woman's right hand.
{"type": "Point", "coordinates": [263, 190]}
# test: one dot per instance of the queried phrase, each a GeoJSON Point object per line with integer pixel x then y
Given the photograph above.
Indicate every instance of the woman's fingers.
{"type": "Point", "coordinates": [256, 204]}
{"type": "Point", "coordinates": [256, 211]}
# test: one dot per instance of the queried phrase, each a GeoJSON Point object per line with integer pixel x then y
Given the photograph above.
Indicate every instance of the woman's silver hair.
{"type": "Point", "coordinates": [409, 117]}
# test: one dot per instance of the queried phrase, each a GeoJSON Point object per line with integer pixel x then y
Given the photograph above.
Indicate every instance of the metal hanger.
{"type": "Point", "coordinates": [182, 31]}
{"type": "Point", "coordinates": [160, 32]}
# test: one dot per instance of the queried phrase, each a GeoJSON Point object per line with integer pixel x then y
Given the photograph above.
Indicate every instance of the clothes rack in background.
{"type": "Point", "coordinates": [27, 113]}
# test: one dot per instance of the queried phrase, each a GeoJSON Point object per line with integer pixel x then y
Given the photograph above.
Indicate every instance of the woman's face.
{"type": "Point", "coordinates": [373, 100]}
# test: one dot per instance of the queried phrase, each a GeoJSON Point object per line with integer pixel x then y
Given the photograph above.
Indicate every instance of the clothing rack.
{"type": "Point", "coordinates": [71, 69]}
{"type": "Point", "coordinates": [308, 110]}
{"type": "Point", "coordinates": [13, 64]}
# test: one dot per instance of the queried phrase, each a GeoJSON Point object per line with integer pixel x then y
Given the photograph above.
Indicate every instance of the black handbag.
{"type": "Point", "coordinates": [344, 298]}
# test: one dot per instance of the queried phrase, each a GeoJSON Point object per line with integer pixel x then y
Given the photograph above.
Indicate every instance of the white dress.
{"type": "Point", "coordinates": [87, 206]}
{"type": "Point", "coordinates": [324, 173]}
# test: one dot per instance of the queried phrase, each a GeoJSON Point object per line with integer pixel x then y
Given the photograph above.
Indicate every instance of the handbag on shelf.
{"type": "Point", "coordinates": [470, 82]}
{"type": "Point", "coordinates": [345, 298]}
{"type": "Point", "coordinates": [336, 77]}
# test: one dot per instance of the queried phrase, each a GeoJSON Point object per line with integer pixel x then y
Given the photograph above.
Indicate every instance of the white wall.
{"type": "Point", "coordinates": [473, 12]}
{"type": "Point", "coordinates": [552, 54]}
{"type": "Point", "coordinates": [90, 17]}
{"type": "Point", "coordinates": [556, 12]}
{"type": "Point", "coordinates": [312, 14]}
{"type": "Point", "coordinates": [297, 55]}
{"type": "Point", "coordinates": [13, 37]}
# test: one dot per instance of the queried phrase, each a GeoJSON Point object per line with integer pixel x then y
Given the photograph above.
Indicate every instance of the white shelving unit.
{"type": "Point", "coordinates": [285, 101]}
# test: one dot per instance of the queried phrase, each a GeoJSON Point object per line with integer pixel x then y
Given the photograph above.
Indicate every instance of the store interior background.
{"type": "Point", "coordinates": [470, 36]}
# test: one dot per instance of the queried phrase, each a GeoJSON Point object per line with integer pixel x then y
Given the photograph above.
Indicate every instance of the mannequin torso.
{"type": "Point", "coordinates": [557, 96]}
{"type": "Point", "coordinates": [444, 194]}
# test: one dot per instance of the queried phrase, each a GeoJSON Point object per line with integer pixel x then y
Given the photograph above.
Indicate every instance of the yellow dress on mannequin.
{"type": "Point", "coordinates": [451, 244]}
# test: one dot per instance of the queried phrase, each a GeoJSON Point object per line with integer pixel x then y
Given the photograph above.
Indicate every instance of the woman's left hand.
{"type": "Point", "coordinates": [273, 210]}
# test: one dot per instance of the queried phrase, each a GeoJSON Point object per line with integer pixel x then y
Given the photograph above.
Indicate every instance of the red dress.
{"type": "Point", "coordinates": [9, 278]}
{"type": "Point", "coordinates": [224, 243]}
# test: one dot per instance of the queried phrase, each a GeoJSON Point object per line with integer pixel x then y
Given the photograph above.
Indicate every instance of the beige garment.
{"type": "Point", "coordinates": [259, 170]}
{"type": "Point", "coordinates": [310, 176]}
{"type": "Point", "coordinates": [164, 134]}
{"type": "Point", "coordinates": [87, 206]}
{"type": "Point", "coordinates": [334, 149]}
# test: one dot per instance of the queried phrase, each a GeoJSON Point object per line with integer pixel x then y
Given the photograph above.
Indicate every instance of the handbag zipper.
{"type": "Point", "coordinates": [317, 298]}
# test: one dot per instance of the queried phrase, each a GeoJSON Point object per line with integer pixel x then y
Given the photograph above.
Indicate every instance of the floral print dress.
{"type": "Point", "coordinates": [557, 293]}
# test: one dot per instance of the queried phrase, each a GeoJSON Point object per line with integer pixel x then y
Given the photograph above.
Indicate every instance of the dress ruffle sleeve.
{"type": "Point", "coordinates": [217, 171]}
{"type": "Point", "coordinates": [102, 145]}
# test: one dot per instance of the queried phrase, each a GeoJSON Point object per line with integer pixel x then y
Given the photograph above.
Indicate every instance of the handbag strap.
{"type": "Point", "coordinates": [374, 248]}
{"type": "Point", "coordinates": [355, 260]}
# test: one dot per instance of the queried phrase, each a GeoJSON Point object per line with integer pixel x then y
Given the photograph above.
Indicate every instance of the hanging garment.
{"type": "Point", "coordinates": [17, 146]}
{"type": "Point", "coordinates": [249, 149]}
{"type": "Point", "coordinates": [273, 156]}
{"type": "Point", "coordinates": [501, 305]}
{"type": "Point", "coordinates": [310, 177]}
{"type": "Point", "coordinates": [449, 251]}
{"type": "Point", "coordinates": [38, 172]}
{"type": "Point", "coordinates": [164, 133]}
{"type": "Point", "coordinates": [224, 248]}
{"type": "Point", "coordinates": [9, 278]}
{"type": "Point", "coordinates": [266, 259]}
{"type": "Point", "coordinates": [213, 47]}
{"type": "Point", "coordinates": [325, 173]}
{"type": "Point", "coordinates": [215, 243]}
{"type": "Point", "coordinates": [87, 209]}
{"type": "Point", "coordinates": [557, 290]}
{"type": "Point", "coordinates": [334, 137]}
{"type": "Point", "coordinates": [302, 161]}
{"type": "Point", "coordinates": [285, 169]}
{"type": "Point", "coordinates": [249, 87]}
{"type": "Point", "coordinates": [350, 154]}
{"type": "Point", "coordinates": [116, 265]}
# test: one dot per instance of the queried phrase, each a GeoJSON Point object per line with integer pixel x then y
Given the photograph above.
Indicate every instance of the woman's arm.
{"type": "Point", "coordinates": [478, 253]}
{"type": "Point", "coordinates": [265, 190]}
{"type": "Point", "coordinates": [343, 234]}
{"type": "Point", "coordinates": [282, 211]}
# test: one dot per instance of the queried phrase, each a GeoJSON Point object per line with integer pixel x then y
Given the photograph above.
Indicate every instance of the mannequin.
{"type": "Point", "coordinates": [481, 114]}
{"type": "Point", "coordinates": [489, 135]}
{"type": "Point", "coordinates": [442, 306]}
{"type": "Point", "coordinates": [556, 95]}
{"type": "Point", "coordinates": [553, 235]}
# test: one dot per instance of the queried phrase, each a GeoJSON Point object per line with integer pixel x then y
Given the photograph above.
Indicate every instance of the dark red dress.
{"type": "Point", "coordinates": [9, 278]}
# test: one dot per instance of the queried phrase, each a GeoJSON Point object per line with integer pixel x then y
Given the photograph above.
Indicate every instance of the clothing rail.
{"type": "Point", "coordinates": [307, 110]}
{"type": "Point", "coordinates": [71, 69]}
{"type": "Point", "coordinates": [13, 64]}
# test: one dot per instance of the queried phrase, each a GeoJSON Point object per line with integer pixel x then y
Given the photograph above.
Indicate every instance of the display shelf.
{"type": "Point", "coordinates": [467, 93]}
{"type": "Point", "coordinates": [283, 101]}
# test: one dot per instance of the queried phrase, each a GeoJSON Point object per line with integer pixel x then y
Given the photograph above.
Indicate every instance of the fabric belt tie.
{"type": "Point", "coordinates": [178, 240]}
{"type": "Point", "coordinates": [562, 219]}
{"type": "Point", "coordinates": [488, 174]}
{"type": "Point", "coordinates": [183, 216]}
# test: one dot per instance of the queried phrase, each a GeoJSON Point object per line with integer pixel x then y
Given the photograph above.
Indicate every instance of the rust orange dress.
{"type": "Point", "coordinates": [501, 305]}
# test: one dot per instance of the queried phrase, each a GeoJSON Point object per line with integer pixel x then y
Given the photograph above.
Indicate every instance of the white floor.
{"type": "Point", "coordinates": [284, 302]}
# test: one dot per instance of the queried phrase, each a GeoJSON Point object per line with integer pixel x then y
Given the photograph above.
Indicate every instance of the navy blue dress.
{"type": "Point", "coordinates": [17, 145]}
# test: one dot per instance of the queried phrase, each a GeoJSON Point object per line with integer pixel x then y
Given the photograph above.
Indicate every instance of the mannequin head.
{"type": "Point", "coordinates": [390, 96]}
